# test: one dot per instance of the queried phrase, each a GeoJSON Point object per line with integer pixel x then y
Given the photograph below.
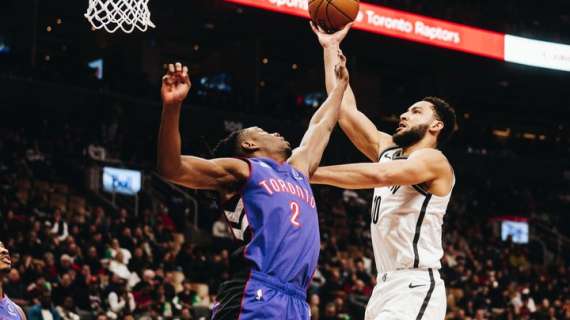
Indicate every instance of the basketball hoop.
{"type": "Point", "coordinates": [119, 14]}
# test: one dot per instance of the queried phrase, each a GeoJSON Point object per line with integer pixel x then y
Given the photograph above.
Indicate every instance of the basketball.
{"type": "Point", "coordinates": [333, 15]}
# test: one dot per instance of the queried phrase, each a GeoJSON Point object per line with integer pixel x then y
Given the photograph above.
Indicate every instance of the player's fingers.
{"type": "Point", "coordinates": [312, 24]}
{"type": "Point", "coordinates": [316, 27]}
{"type": "Point", "coordinates": [185, 75]}
{"type": "Point", "coordinates": [171, 69]}
{"type": "Point", "coordinates": [167, 80]}
{"type": "Point", "coordinates": [178, 67]}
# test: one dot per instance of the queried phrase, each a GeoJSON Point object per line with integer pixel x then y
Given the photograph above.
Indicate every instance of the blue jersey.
{"type": "Point", "coordinates": [280, 207]}
{"type": "Point", "coordinates": [9, 310]}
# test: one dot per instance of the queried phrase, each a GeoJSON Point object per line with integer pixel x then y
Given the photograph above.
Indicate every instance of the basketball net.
{"type": "Point", "coordinates": [119, 14]}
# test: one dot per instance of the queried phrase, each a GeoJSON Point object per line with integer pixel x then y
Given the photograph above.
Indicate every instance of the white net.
{"type": "Point", "coordinates": [119, 14]}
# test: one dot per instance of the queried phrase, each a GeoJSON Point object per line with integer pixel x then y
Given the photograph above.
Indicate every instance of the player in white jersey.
{"type": "Point", "coordinates": [412, 183]}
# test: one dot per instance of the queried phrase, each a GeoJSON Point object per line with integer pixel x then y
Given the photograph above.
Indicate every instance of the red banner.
{"type": "Point", "coordinates": [400, 24]}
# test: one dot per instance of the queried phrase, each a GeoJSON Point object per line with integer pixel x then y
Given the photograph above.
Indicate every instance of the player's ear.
{"type": "Point", "coordinates": [436, 125]}
{"type": "Point", "coordinates": [249, 146]}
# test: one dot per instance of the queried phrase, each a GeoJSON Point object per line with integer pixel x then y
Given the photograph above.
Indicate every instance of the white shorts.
{"type": "Point", "coordinates": [408, 295]}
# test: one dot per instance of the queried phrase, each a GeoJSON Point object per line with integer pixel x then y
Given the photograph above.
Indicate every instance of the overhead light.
{"type": "Point", "coordinates": [502, 133]}
{"type": "Point", "coordinates": [529, 136]}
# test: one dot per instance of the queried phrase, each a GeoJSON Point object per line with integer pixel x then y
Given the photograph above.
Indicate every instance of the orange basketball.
{"type": "Point", "coordinates": [332, 15]}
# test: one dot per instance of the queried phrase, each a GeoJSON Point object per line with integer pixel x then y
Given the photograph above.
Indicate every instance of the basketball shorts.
{"type": "Point", "coordinates": [261, 297]}
{"type": "Point", "coordinates": [408, 295]}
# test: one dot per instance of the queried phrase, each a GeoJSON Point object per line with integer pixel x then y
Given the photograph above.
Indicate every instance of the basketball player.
{"type": "Point", "coordinates": [412, 183]}
{"type": "Point", "coordinates": [8, 309]}
{"type": "Point", "coordinates": [272, 183]}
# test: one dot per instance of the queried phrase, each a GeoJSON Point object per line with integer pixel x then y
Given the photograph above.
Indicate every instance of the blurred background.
{"type": "Point", "coordinates": [91, 241]}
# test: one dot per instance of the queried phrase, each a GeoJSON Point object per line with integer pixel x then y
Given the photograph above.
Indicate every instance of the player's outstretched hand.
{"type": "Point", "coordinates": [175, 84]}
{"type": "Point", "coordinates": [340, 70]}
{"type": "Point", "coordinates": [332, 39]}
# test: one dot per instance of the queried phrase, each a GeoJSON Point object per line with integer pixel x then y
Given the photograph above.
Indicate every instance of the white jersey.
{"type": "Point", "coordinates": [406, 226]}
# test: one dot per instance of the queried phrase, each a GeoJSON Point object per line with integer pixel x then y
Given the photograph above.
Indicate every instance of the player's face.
{"type": "Point", "coordinates": [5, 262]}
{"type": "Point", "coordinates": [414, 124]}
{"type": "Point", "coordinates": [271, 142]}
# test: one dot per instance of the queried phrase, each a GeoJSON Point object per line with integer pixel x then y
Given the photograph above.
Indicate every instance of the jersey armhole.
{"type": "Point", "coordinates": [246, 181]}
{"type": "Point", "coordinates": [238, 193]}
{"type": "Point", "coordinates": [239, 190]}
{"type": "Point", "coordinates": [421, 189]}
{"type": "Point", "coordinates": [386, 150]}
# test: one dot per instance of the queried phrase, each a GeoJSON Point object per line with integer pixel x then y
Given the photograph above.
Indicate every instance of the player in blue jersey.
{"type": "Point", "coordinates": [271, 182]}
{"type": "Point", "coordinates": [8, 309]}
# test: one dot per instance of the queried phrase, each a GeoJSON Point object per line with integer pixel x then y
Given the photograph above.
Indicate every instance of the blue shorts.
{"type": "Point", "coordinates": [263, 297]}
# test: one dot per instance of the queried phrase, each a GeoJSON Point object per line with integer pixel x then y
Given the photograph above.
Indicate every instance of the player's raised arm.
{"type": "Point", "coordinates": [360, 130]}
{"type": "Point", "coordinates": [422, 166]}
{"type": "Point", "coordinates": [308, 155]}
{"type": "Point", "coordinates": [192, 172]}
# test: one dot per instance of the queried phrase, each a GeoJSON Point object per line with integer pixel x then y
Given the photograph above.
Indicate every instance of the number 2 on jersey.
{"type": "Point", "coordinates": [294, 213]}
{"type": "Point", "coordinates": [376, 208]}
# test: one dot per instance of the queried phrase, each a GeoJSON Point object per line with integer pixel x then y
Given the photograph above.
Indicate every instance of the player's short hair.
{"type": "Point", "coordinates": [230, 146]}
{"type": "Point", "coordinates": [446, 114]}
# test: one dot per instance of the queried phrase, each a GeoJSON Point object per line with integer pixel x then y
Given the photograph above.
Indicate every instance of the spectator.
{"type": "Point", "coordinates": [59, 226]}
{"type": "Point", "coordinates": [187, 297]}
{"type": "Point", "coordinates": [15, 289]}
{"type": "Point", "coordinates": [67, 311]}
{"type": "Point", "coordinates": [220, 229]}
{"type": "Point", "coordinates": [120, 300]}
{"type": "Point", "coordinates": [63, 289]}
{"type": "Point", "coordinates": [523, 303]}
{"type": "Point", "coordinates": [143, 291]}
{"type": "Point", "coordinates": [45, 310]}
{"type": "Point", "coordinates": [115, 249]}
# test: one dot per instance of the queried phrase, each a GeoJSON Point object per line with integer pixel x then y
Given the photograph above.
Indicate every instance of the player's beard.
{"type": "Point", "coordinates": [407, 138]}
